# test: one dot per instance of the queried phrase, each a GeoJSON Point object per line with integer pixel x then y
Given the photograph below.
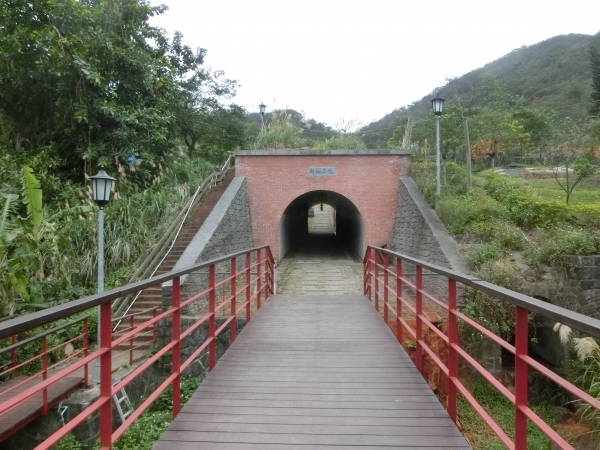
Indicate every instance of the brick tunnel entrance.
{"type": "Point", "coordinates": [339, 227]}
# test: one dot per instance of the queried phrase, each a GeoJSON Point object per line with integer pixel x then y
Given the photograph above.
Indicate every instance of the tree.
{"type": "Point", "coordinates": [577, 154]}
{"type": "Point", "coordinates": [595, 67]}
{"type": "Point", "coordinates": [87, 80]}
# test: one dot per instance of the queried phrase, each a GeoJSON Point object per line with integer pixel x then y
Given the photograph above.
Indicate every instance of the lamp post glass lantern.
{"type": "Point", "coordinates": [101, 189]}
{"type": "Point", "coordinates": [438, 105]}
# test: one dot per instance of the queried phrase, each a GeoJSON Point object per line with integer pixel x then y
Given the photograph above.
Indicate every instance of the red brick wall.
{"type": "Point", "coordinates": [370, 181]}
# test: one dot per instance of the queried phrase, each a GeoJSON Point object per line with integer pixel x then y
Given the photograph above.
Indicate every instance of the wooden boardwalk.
{"type": "Point", "coordinates": [313, 372]}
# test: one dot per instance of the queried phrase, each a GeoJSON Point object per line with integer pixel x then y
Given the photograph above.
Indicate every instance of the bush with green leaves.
{"type": "Point", "coordinates": [341, 141]}
{"type": "Point", "coordinates": [560, 242]}
{"type": "Point", "coordinates": [524, 207]}
{"type": "Point", "coordinates": [282, 132]}
{"type": "Point", "coordinates": [146, 430]}
{"type": "Point", "coordinates": [466, 213]}
{"type": "Point", "coordinates": [424, 174]}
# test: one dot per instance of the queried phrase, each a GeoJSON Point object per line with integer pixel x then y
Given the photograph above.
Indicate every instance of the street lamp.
{"type": "Point", "coordinates": [438, 105]}
{"type": "Point", "coordinates": [101, 189]}
{"type": "Point", "coordinates": [262, 108]}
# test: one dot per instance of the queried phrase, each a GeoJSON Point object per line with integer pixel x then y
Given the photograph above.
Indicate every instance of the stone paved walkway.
{"type": "Point", "coordinates": [320, 266]}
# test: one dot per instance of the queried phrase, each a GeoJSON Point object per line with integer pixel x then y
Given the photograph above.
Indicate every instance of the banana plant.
{"type": "Point", "coordinates": [29, 247]}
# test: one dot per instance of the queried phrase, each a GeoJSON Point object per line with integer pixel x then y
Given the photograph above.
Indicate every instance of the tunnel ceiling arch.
{"type": "Point", "coordinates": [293, 226]}
{"type": "Point", "coordinates": [338, 201]}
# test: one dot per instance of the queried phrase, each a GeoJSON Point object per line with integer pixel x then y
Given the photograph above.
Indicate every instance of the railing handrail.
{"type": "Point", "coordinates": [565, 316]}
{"type": "Point", "coordinates": [151, 264]}
{"type": "Point", "coordinates": [39, 336]}
{"type": "Point", "coordinates": [39, 318]}
{"type": "Point", "coordinates": [222, 300]}
{"type": "Point", "coordinates": [379, 277]}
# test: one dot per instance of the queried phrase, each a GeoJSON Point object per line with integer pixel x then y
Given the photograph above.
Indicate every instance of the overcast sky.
{"type": "Point", "coordinates": [336, 59]}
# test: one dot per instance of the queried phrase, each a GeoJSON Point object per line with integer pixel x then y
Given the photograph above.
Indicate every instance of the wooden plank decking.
{"type": "Point", "coordinates": [313, 372]}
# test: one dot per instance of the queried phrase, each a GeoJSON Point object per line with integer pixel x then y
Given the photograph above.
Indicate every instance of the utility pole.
{"type": "Point", "coordinates": [467, 142]}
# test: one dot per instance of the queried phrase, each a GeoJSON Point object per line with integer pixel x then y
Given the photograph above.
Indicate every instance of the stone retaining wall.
{"type": "Point", "coordinates": [419, 233]}
{"type": "Point", "coordinates": [585, 277]}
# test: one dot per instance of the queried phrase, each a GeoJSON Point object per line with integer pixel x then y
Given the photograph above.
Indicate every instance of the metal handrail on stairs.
{"type": "Point", "coordinates": [164, 246]}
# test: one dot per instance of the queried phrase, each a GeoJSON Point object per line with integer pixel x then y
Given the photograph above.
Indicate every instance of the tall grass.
{"type": "Point", "coordinates": [132, 225]}
{"type": "Point", "coordinates": [281, 133]}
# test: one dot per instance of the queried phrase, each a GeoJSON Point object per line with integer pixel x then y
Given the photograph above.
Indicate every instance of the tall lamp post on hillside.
{"type": "Point", "coordinates": [262, 108]}
{"type": "Point", "coordinates": [101, 189]}
{"type": "Point", "coordinates": [438, 105]}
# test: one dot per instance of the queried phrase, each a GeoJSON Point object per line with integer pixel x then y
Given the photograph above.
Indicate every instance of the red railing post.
{"type": "Point", "coordinates": [212, 357]}
{"type": "Point", "coordinates": [44, 374]}
{"type": "Point", "coordinates": [233, 328]}
{"type": "Point", "coordinates": [418, 320]}
{"type": "Point", "coordinates": [85, 352]}
{"type": "Point", "coordinates": [368, 274]}
{"type": "Point", "coordinates": [105, 375]}
{"type": "Point", "coordinates": [452, 342]}
{"type": "Point", "coordinates": [521, 369]}
{"type": "Point", "coordinates": [154, 327]}
{"type": "Point", "coordinates": [398, 299]}
{"type": "Point", "coordinates": [271, 273]}
{"type": "Point", "coordinates": [13, 355]}
{"type": "Point", "coordinates": [248, 287]}
{"type": "Point", "coordinates": [176, 337]}
{"type": "Point", "coordinates": [376, 280]}
{"type": "Point", "coordinates": [258, 278]}
{"type": "Point", "coordinates": [386, 263]}
{"type": "Point", "coordinates": [131, 341]}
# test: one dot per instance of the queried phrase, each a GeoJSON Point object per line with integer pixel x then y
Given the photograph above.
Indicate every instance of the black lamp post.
{"type": "Point", "coordinates": [262, 108]}
{"type": "Point", "coordinates": [101, 189]}
{"type": "Point", "coordinates": [438, 105]}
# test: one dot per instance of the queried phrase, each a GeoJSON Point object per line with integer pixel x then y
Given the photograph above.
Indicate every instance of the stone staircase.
{"type": "Point", "coordinates": [152, 297]}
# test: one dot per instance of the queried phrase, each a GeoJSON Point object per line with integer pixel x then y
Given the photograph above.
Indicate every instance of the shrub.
{"type": "Point", "coordinates": [341, 141]}
{"type": "Point", "coordinates": [424, 175]}
{"type": "Point", "coordinates": [559, 243]}
{"type": "Point", "coordinates": [586, 215]}
{"type": "Point", "coordinates": [484, 253]}
{"type": "Point", "coordinates": [460, 214]}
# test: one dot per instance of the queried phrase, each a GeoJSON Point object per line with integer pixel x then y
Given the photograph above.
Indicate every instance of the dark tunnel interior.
{"type": "Point", "coordinates": [293, 227]}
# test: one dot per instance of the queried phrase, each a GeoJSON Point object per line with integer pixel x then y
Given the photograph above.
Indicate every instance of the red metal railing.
{"type": "Point", "coordinates": [257, 261]}
{"type": "Point", "coordinates": [391, 298]}
{"type": "Point", "coordinates": [13, 366]}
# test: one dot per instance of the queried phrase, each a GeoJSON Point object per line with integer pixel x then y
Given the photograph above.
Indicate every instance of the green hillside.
{"type": "Point", "coordinates": [553, 75]}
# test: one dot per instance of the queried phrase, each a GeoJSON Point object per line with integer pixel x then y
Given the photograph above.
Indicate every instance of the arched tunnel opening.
{"type": "Point", "coordinates": [347, 229]}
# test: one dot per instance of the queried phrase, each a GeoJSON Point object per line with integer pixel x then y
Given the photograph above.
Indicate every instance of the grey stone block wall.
{"type": "Point", "coordinates": [227, 229]}
{"type": "Point", "coordinates": [419, 233]}
{"type": "Point", "coordinates": [585, 278]}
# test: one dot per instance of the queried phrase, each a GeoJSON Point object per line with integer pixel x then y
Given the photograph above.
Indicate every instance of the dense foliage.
{"type": "Point", "coordinates": [551, 77]}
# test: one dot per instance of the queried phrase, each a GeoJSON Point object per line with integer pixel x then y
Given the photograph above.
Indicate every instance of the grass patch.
{"type": "Point", "coordinates": [480, 436]}
{"type": "Point", "coordinates": [586, 193]}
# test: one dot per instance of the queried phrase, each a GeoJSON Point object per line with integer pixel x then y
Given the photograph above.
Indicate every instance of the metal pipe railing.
{"type": "Point", "coordinates": [258, 260]}
{"type": "Point", "coordinates": [378, 271]}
